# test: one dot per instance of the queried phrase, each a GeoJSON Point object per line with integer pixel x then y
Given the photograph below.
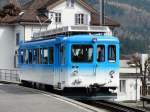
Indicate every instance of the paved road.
{"type": "Point", "coordinates": [14, 98]}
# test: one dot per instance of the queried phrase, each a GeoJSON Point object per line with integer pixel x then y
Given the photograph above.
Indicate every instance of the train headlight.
{"type": "Point", "coordinates": [111, 73]}
{"type": "Point", "coordinates": [77, 81]}
{"type": "Point", "coordinates": [75, 73]}
{"type": "Point", "coordinates": [94, 40]}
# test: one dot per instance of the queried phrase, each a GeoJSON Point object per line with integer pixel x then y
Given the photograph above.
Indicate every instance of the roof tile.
{"type": "Point", "coordinates": [31, 11]}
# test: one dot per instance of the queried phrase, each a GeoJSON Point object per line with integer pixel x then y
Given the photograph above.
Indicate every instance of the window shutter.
{"type": "Point", "coordinates": [85, 19]}
{"type": "Point", "coordinates": [76, 19]}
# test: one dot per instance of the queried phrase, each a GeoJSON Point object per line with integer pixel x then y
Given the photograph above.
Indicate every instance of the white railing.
{"type": "Point", "coordinates": [9, 75]}
{"type": "Point", "coordinates": [67, 29]}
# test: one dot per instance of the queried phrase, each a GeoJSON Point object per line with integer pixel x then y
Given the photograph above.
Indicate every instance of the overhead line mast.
{"type": "Point", "coordinates": [102, 12]}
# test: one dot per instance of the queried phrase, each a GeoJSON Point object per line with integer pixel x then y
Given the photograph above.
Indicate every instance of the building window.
{"type": "Point", "coordinates": [81, 19]}
{"type": "Point", "coordinates": [123, 86]}
{"type": "Point", "coordinates": [57, 17]}
{"type": "Point", "coordinates": [17, 38]}
{"type": "Point", "coordinates": [70, 3]}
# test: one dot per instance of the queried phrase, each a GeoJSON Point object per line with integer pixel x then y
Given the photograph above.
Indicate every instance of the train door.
{"type": "Point", "coordinates": [100, 67]}
{"type": "Point", "coordinates": [106, 63]}
{"type": "Point", "coordinates": [82, 62]}
{"type": "Point", "coordinates": [60, 65]}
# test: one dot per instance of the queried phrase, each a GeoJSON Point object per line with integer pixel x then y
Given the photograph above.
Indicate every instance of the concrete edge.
{"type": "Point", "coordinates": [67, 100]}
{"type": "Point", "coordinates": [9, 82]}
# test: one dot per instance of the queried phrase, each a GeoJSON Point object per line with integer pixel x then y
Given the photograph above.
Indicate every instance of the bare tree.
{"type": "Point", "coordinates": [146, 75]}
{"type": "Point", "coordinates": [144, 72]}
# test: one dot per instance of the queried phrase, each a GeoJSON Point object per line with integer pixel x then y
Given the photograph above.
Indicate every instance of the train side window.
{"type": "Point", "coordinates": [21, 56]}
{"type": "Point", "coordinates": [111, 53]}
{"type": "Point", "coordinates": [30, 56]}
{"type": "Point", "coordinates": [45, 56]}
{"type": "Point", "coordinates": [35, 55]}
{"type": "Point", "coordinates": [40, 56]}
{"type": "Point", "coordinates": [51, 55]}
{"type": "Point", "coordinates": [26, 56]}
{"type": "Point", "coordinates": [100, 53]}
{"type": "Point", "coordinates": [62, 55]}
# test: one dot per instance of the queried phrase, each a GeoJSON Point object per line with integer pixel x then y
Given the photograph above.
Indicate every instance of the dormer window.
{"type": "Point", "coordinates": [70, 3]}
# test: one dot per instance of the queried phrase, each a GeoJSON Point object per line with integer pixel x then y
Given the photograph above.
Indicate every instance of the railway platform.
{"type": "Point", "coordinates": [15, 98]}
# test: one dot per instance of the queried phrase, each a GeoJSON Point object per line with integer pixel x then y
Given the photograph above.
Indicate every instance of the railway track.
{"type": "Point", "coordinates": [115, 107]}
{"type": "Point", "coordinates": [108, 105]}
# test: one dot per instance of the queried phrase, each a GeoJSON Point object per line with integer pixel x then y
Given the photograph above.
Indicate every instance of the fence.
{"type": "Point", "coordinates": [9, 75]}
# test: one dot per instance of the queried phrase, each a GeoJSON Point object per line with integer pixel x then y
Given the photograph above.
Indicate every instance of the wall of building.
{"type": "Point", "coordinates": [7, 47]}
{"type": "Point", "coordinates": [31, 29]}
{"type": "Point", "coordinates": [132, 90]}
{"type": "Point", "coordinates": [26, 31]}
{"type": "Point", "coordinates": [19, 29]}
{"type": "Point", "coordinates": [68, 15]}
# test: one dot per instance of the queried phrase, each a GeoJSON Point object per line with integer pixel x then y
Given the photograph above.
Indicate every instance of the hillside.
{"type": "Point", "coordinates": [133, 15]}
{"type": "Point", "coordinates": [5, 2]}
{"type": "Point", "coordinates": [2, 3]}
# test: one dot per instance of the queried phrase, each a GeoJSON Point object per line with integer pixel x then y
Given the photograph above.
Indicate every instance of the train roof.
{"type": "Point", "coordinates": [88, 38]}
{"type": "Point", "coordinates": [72, 39]}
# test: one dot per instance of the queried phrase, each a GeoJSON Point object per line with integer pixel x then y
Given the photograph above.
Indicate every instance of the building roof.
{"type": "Point", "coordinates": [31, 10]}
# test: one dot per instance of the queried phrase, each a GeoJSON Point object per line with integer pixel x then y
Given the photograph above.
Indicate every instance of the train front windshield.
{"type": "Point", "coordinates": [81, 53]}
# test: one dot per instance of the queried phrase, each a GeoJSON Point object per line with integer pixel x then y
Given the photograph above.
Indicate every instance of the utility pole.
{"type": "Point", "coordinates": [102, 12]}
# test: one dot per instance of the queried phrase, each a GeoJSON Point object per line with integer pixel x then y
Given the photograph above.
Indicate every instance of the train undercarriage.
{"type": "Point", "coordinates": [93, 92]}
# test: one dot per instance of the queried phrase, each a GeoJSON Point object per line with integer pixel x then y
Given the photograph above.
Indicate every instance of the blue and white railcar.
{"type": "Point", "coordinates": [77, 61]}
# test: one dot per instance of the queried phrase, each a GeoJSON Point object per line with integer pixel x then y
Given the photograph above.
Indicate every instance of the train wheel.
{"type": "Point", "coordinates": [49, 88]}
{"type": "Point", "coordinates": [34, 85]}
{"type": "Point", "coordinates": [41, 86]}
{"type": "Point", "coordinates": [25, 83]}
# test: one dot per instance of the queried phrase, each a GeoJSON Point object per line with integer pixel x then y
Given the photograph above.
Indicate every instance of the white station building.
{"type": "Point", "coordinates": [130, 79]}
